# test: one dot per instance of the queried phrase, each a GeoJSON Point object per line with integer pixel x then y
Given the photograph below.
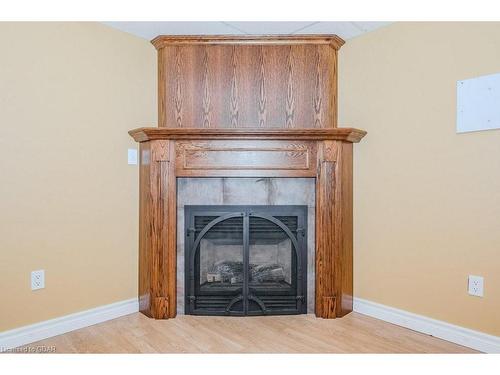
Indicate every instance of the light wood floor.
{"type": "Point", "coordinates": [355, 333]}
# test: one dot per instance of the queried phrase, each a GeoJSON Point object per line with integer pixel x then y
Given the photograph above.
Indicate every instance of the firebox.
{"type": "Point", "coordinates": [245, 260]}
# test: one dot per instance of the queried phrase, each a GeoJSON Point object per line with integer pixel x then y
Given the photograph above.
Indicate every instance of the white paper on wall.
{"type": "Point", "coordinates": [478, 103]}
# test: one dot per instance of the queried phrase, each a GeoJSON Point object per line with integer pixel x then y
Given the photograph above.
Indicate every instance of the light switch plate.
{"type": "Point", "coordinates": [37, 279]}
{"type": "Point", "coordinates": [132, 156]}
{"type": "Point", "coordinates": [476, 286]}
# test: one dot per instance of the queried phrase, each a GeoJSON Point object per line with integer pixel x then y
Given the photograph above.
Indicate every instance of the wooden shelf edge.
{"type": "Point", "coordinates": [162, 40]}
{"type": "Point", "coordinates": [351, 135]}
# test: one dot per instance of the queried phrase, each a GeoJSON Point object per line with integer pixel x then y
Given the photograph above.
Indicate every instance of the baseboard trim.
{"type": "Point", "coordinates": [446, 331]}
{"type": "Point", "coordinates": [437, 328]}
{"type": "Point", "coordinates": [54, 327]}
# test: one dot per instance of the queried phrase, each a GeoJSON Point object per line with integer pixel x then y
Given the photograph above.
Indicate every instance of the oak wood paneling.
{"type": "Point", "coordinates": [229, 82]}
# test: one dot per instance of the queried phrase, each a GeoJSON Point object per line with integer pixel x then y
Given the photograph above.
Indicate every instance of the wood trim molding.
{"type": "Point", "coordinates": [311, 134]}
{"type": "Point", "coordinates": [162, 40]}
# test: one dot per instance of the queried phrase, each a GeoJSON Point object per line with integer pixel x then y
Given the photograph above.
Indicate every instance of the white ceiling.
{"type": "Point", "coordinates": [149, 30]}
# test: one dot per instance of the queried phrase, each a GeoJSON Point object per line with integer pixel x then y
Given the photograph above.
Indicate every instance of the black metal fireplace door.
{"type": "Point", "coordinates": [245, 260]}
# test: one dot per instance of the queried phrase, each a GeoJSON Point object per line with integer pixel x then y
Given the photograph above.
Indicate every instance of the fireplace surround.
{"type": "Point", "coordinates": [247, 191]}
{"type": "Point", "coordinates": [262, 107]}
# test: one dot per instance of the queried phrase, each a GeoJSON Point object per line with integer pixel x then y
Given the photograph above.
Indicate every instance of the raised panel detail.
{"type": "Point", "coordinates": [246, 159]}
{"type": "Point", "coordinates": [205, 158]}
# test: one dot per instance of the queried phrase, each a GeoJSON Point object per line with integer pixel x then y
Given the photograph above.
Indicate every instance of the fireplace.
{"type": "Point", "coordinates": [245, 260]}
{"type": "Point", "coordinates": [246, 107]}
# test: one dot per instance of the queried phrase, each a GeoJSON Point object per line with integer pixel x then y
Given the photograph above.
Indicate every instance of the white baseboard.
{"type": "Point", "coordinates": [446, 331]}
{"type": "Point", "coordinates": [49, 328]}
{"type": "Point", "coordinates": [54, 327]}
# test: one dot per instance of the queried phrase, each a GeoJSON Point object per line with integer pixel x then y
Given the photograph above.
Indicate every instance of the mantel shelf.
{"type": "Point", "coordinates": [286, 40]}
{"type": "Point", "coordinates": [310, 134]}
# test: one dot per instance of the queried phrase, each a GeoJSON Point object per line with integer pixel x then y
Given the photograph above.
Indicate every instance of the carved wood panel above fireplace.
{"type": "Point", "coordinates": [246, 107]}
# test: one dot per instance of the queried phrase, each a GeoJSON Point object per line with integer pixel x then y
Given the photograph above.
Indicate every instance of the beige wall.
{"type": "Point", "coordinates": [427, 200]}
{"type": "Point", "coordinates": [69, 92]}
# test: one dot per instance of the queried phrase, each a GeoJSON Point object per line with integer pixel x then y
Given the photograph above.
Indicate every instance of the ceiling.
{"type": "Point", "coordinates": [149, 30]}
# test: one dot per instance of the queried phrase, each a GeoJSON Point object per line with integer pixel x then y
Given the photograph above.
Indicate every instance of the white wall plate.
{"type": "Point", "coordinates": [478, 103]}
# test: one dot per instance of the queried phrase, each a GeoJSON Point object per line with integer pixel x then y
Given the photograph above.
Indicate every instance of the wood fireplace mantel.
{"type": "Point", "coordinates": [295, 134]}
{"type": "Point", "coordinates": [246, 106]}
{"type": "Point", "coordinates": [324, 154]}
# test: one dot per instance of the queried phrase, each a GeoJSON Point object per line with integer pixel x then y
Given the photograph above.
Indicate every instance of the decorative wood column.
{"type": "Point", "coordinates": [334, 264]}
{"type": "Point", "coordinates": [157, 223]}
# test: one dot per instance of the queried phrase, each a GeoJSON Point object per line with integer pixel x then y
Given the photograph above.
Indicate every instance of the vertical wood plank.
{"type": "Point", "coordinates": [220, 85]}
{"type": "Point", "coordinates": [177, 86]}
{"type": "Point", "coordinates": [206, 104]}
{"type": "Point", "coordinates": [301, 87]}
{"type": "Point", "coordinates": [275, 60]}
{"type": "Point", "coordinates": [332, 92]}
{"type": "Point", "coordinates": [262, 104]}
{"type": "Point", "coordinates": [248, 76]}
{"type": "Point", "coordinates": [234, 93]}
{"type": "Point", "coordinates": [319, 102]}
{"type": "Point", "coordinates": [290, 88]}
{"type": "Point", "coordinates": [164, 96]}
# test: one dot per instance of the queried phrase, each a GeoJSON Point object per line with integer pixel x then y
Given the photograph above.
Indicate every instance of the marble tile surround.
{"type": "Point", "coordinates": [246, 191]}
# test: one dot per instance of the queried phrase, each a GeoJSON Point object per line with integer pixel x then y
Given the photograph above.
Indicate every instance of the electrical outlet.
{"type": "Point", "coordinates": [476, 285]}
{"type": "Point", "coordinates": [38, 279]}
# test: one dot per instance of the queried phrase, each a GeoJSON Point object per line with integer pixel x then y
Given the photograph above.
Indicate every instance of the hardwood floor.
{"type": "Point", "coordinates": [355, 333]}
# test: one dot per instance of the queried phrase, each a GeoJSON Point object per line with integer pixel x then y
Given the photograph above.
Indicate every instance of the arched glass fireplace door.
{"type": "Point", "coordinates": [245, 260]}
